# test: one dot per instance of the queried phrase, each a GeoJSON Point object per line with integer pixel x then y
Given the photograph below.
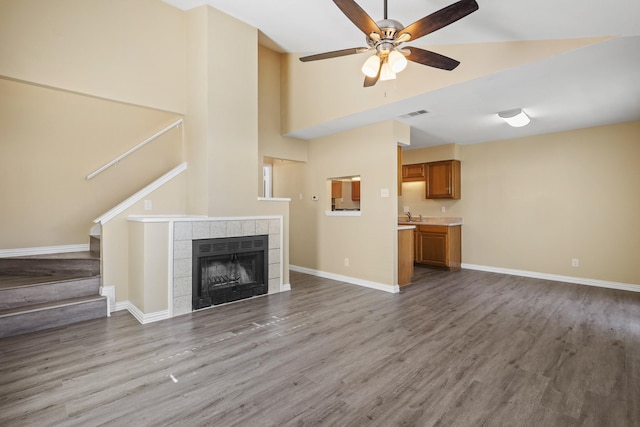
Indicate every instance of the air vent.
{"type": "Point", "coordinates": [413, 114]}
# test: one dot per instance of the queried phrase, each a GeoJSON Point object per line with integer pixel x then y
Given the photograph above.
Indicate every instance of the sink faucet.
{"type": "Point", "coordinates": [409, 216]}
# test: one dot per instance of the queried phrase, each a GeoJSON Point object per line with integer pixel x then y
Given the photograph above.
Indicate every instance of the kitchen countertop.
{"type": "Point", "coordinates": [448, 221]}
{"type": "Point", "coordinates": [406, 227]}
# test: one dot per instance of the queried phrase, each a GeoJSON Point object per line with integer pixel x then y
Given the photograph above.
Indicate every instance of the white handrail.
{"type": "Point", "coordinates": [137, 147]}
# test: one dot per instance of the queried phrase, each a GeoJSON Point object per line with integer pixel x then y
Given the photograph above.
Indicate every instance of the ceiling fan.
{"type": "Point", "coordinates": [386, 36]}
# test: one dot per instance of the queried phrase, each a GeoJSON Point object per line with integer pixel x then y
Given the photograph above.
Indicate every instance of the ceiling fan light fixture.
{"type": "Point", "coordinates": [371, 66]}
{"type": "Point", "coordinates": [516, 118]}
{"type": "Point", "coordinates": [386, 73]}
{"type": "Point", "coordinates": [397, 61]}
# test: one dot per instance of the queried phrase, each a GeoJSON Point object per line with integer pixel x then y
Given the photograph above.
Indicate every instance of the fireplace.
{"type": "Point", "coordinates": [229, 269]}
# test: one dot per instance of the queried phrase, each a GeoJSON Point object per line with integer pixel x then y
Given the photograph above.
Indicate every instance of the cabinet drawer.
{"type": "Point", "coordinates": [433, 229]}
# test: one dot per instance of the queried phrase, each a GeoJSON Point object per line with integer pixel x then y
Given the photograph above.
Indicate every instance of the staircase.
{"type": "Point", "coordinates": [47, 291]}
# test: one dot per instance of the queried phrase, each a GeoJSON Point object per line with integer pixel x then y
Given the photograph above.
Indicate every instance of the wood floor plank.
{"type": "Point", "coordinates": [454, 348]}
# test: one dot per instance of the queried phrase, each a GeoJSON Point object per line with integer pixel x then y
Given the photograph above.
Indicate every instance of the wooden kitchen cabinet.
{"type": "Point", "coordinates": [413, 172]}
{"type": "Point", "coordinates": [443, 179]}
{"type": "Point", "coordinates": [399, 159]}
{"type": "Point", "coordinates": [355, 190]}
{"type": "Point", "coordinates": [336, 189]}
{"type": "Point", "coordinates": [405, 256]}
{"type": "Point", "coordinates": [439, 246]}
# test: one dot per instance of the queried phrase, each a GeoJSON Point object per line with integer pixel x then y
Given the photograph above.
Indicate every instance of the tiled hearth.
{"type": "Point", "coordinates": [187, 230]}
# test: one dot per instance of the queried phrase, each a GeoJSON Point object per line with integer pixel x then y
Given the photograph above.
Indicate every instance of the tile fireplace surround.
{"type": "Point", "coordinates": [184, 229]}
{"type": "Point", "coordinates": [184, 232]}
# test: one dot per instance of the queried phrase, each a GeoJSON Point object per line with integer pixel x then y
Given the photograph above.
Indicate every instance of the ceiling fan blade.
{"type": "Point", "coordinates": [432, 59]}
{"type": "Point", "coordinates": [358, 16]}
{"type": "Point", "coordinates": [334, 54]}
{"type": "Point", "coordinates": [370, 81]}
{"type": "Point", "coordinates": [440, 19]}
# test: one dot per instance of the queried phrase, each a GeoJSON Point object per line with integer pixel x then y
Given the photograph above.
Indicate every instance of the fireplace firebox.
{"type": "Point", "coordinates": [229, 269]}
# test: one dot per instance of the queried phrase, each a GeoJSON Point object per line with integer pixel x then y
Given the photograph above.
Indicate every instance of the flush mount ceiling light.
{"type": "Point", "coordinates": [386, 36]}
{"type": "Point", "coordinates": [516, 118]}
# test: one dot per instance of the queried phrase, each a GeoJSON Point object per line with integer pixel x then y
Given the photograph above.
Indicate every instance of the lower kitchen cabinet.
{"type": "Point", "coordinates": [439, 246]}
{"type": "Point", "coordinates": [405, 256]}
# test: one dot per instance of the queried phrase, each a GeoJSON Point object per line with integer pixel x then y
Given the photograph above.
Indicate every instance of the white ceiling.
{"type": "Point", "coordinates": [591, 86]}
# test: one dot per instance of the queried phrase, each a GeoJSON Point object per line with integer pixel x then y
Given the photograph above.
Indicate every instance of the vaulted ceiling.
{"type": "Point", "coordinates": [591, 86]}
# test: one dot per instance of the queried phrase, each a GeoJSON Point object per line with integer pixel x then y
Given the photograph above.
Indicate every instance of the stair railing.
{"type": "Point", "coordinates": [136, 148]}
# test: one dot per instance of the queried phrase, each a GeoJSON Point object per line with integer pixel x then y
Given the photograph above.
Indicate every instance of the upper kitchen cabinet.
{"type": "Point", "coordinates": [355, 191]}
{"type": "Point", "coordinates": [442, 179]}
{"type": "Point", "coordinates": [336, 189]}
{"type": "Point", "coordinates": [413, 172]}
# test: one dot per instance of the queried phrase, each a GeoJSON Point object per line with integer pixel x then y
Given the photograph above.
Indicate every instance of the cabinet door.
{"type": "Point", "coordinates": [413, 172]}
{"type": "Point", "coordinates": [399, 160]}
{"type": "Point", "coordinates": [355, 190]}
{"type": "Point", "coordinates": [433, 248]}
{"type": "Point", "coordinates": [336, 189]}
{"type": "Point", "coordinates": [443, 180]}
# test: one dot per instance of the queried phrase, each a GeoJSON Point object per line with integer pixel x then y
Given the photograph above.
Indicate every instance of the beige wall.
{"type": "Point", "coordinates": [196, 125]}
{"type": "Point", "coordinates": [129, 51]}
{"type": "Point", "coordinates": [72, 73]}
{"type": "Point", "coordinates": [431, 154]}
{"type": "Point", "coordinates": [51, 140]}
{"type": "Point", "coordinates": [272, 143]}
{"type": "Point", "coordinates": [535, 203]}
{"type": "Point", "coordinates": [232, 117]}
{"type": "Point", "coordinates": [222, 122]}
{"type": "Point", "coordinates": [117, 268]}
{"type": "Point", "coordinates": [320, 91]}
{"type": "Point", "coordinates": [322, 242]}
{"type": "Point", "coordinates": [135, 276]}
{"type": "Point", "coordinates": [144, 53]}
{"type": "Point", "coordinates": [149, 275]}
{"type": "Point", "coordinates": [222, 128]}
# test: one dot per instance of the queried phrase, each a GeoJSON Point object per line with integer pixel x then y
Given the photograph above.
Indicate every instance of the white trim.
{"type": "Point", "coordinates": [141, 317]}
{"type": "Point", "coordinates": [285, 287]}
{"type": "Point", "coordinates": [352, 280]}
{"type": "Point", "coordinates": [110, 293]}
{"type": "Point", "coordinates": [342, 213]}
{"type": "Point", "coordinates": [44, 250]}
{"type": "Point", "coordinates": [274, 199]}
{"type": "Point", "coordinates": [170, 271]}
{"type": "Point", "coordinates": [136, 148]}
{"type": "Point", "coordinates": [96, 230]}
{"type": "Point", "coordinates": [188, 218]}
{"type": "Point", "coordinates": [281, 257]}
{"type": "Point", "coordinates": [166, 218]}
{"type": "Point", "coordinates": [121, 305]}
{"type": "Point", "coordinates": [121, 207]}
{"type": "Point", "coordinates": [267, 179]}
{"type": "Point", "coordinates": [556, 278]}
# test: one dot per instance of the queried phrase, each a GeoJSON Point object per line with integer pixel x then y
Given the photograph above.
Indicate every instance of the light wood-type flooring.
{"type": "Point", "coordinates": [464, 348]}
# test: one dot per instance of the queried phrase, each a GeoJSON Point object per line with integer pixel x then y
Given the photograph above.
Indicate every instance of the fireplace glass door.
{"type": "Point", "coordinates": [229, 269]}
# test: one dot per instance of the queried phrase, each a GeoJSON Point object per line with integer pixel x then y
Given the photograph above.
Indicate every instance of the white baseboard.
{"type": "Point", "coordinates": [353, 280]}
{"type": "Point", "coordinates": [44, 250]}
{"type": "Point", "coordinates": [285, 287]}
{"type": "Point", "coordinates": [110, 293]}
{"type": "Point", "coordinates": [141, 317]}
{"type": "Point", "coordinates": [556, 278]}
